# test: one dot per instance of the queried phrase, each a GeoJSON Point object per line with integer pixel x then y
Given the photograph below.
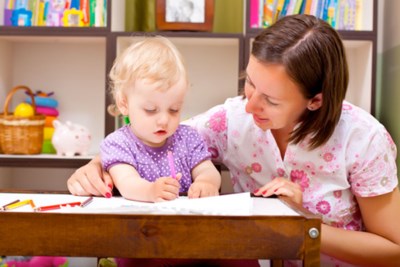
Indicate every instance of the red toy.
{"type": "Point", "coordinates": [37, 261]}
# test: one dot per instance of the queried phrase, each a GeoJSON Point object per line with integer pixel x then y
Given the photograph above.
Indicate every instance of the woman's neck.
{"type": "Point", "coordinates": [281, 138]}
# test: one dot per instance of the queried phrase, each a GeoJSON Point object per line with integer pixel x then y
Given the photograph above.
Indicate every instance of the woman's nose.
{"type": "Point", "coordinates": [253, 102]}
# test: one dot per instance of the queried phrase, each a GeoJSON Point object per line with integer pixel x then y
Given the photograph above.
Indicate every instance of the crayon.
{"type": "Point", "coordinates": [58, 206]}
{"type": "Point", "coordinates": [18, 204]}
{"type": "Point", "coordinates": [171, 164]}
{"type": "Point", "coordinates": [12, 202]}
{"type": "Point", "coordinates": [86, 202]}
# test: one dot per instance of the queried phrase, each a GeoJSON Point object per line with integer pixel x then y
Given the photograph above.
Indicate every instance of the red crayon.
{"type": "Point", "coordinates": [58, 206]}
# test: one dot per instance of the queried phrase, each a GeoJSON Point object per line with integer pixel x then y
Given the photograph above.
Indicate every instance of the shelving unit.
{"type": "Point", "coordinates": [74, 63]}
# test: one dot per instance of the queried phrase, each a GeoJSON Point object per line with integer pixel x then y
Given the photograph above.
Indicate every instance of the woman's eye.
{"type": "Point", "coordinates": [248, 81]}
{"type": "Point", "coordinates": [271, 102]}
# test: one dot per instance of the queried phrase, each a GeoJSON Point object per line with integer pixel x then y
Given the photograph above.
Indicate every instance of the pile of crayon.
{"type": "Point", "coordinates": [47, 106]}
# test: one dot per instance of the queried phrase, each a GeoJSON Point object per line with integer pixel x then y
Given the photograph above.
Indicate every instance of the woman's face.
{"type": "Point", "coordinates": [274, 100]}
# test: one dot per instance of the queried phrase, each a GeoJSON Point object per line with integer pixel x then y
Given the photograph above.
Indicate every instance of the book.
{"type": "Point", "coordinates": [55, 13]}
{"type": "Point", "coordinates": [254, 9]}
{"type": "Point", "coordinates": [268, 13]}
{"type": "Point", "coordinates": [297, 6]}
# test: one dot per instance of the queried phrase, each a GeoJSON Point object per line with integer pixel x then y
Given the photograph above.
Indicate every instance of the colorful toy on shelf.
{"type": "Point", "coordinates": [21, 17]}
{"type": "Point", "coordinates": [36, 261]}
{"type": "Point", "coordinates": [24, 110]}
{"type": "Point", "coordinates": [70, 139]}
{"type": "Point", "coordinates": [55, 13]}
{"type": "Point", "coordinates": [46, 105]}
{"type": "Point", "coordinates": [21, 135]}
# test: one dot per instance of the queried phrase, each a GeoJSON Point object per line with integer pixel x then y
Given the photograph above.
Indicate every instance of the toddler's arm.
{"type": "Point", "coordinates": [131, 186]}
{"type": "Point", "coordinates": [206, 180]}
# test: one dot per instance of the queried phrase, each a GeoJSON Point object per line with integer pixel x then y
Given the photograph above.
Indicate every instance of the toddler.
{"type": "Point", "coordinates": [149, 83]}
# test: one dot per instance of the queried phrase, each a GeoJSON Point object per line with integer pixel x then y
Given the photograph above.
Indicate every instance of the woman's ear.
{"type": "Point", "coordinates": [315, 102]}
{"type": "Point", "coordinates": [122, 104]}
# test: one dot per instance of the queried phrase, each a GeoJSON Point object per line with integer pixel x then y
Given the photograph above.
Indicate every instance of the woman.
{"type": "Point", "coordinates": [294, 135]}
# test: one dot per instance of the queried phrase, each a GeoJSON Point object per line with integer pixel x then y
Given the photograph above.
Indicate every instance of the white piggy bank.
{"type": "Point", "coordinates": [70, 139]}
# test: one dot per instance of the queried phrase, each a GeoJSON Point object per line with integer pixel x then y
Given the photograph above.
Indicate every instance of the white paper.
{"type": "Point", "coordinates": [239, 204]}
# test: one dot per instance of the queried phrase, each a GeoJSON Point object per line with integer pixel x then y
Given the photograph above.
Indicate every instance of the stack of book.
{"type": "Point", "coordinates": [340, 14]}
{"type": "Point", "coordinates": [56, 13]}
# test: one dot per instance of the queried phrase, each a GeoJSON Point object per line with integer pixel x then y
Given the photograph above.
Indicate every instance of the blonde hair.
{"type": "Point", "coordinates": [154, 59]}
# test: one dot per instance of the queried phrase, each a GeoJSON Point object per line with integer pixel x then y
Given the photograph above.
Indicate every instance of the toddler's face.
{"type": "Point", "coordinates": [155, 114]}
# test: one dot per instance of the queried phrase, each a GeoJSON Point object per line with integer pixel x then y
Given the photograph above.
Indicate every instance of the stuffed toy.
{"type": "Point", "coordinates": [36, 261]}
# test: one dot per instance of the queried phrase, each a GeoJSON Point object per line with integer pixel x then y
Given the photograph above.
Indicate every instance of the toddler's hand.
{"type": "Point", "coordinates": [202, 189]}
{"type": "Point", "coordinates": [166, 188]}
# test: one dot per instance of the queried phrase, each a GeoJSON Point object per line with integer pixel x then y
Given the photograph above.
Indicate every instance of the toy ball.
{"type": "Point", "coordinates": [24, 110]}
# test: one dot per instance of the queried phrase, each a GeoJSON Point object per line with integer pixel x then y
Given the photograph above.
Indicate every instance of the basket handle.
{"type": "Point", "coordinates": [12, 92]}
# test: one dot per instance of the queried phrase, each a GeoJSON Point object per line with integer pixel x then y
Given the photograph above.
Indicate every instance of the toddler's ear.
{"type": "Point", "coordinates": [122, 104]}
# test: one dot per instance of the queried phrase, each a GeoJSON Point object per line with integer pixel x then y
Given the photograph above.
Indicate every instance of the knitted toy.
{"type": "Point", "coordinates": [36, 261]}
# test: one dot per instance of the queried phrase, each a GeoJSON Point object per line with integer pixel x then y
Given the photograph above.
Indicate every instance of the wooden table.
{"type": "Point", "coordinates": [163, 236]}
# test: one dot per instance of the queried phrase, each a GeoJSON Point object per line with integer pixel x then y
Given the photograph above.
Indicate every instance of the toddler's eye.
{"type": "Point", "coordinates": [174, 110]}
{"type": "Point", "coordinates": [150, 110]}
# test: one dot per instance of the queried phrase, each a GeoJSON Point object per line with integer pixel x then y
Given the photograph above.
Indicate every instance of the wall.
{"type": "Point", "coordinates": [389, 68]}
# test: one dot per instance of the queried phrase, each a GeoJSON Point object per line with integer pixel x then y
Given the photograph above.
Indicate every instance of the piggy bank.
{"type": "Point", "coordinates": [70, 139]}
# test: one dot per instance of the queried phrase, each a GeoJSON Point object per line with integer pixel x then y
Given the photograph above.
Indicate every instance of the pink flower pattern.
{"type": "Point", "coordinates": [323, 207]}
{"type": "Point", "coordinates": [256, 167]}
{"type": "Point", "coordinates": [217, 121]}
{"type": "Point", "coordinates": [328, 157]}
{"type": "Point", "coordinates": [214, 152]}
{"type": "Point", "coordinates": [300, 177]}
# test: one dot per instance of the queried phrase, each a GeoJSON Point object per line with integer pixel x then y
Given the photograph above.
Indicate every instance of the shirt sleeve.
{"type": "Point", "coordinates": [115, 149]}
{"type": "Point", "coordinates": [373, 171]}
{"type": "Point", "coordinates": [197, 151]}
{"type": "Point", "coordinates": [212, 127]}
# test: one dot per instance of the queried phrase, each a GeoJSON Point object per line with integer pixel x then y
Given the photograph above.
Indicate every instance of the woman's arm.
{"type": "Point", "coordinates": [380, 245]}
{"type": "Point", "coordinates": [90, 179]}
{"type": "Point", "coordinates": [206, 180]}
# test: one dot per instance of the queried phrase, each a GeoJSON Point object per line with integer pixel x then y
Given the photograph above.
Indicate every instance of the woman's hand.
{"type": "Point", "coordinates": [90, 179]}
{"type": "Point", "coordinates": [281, 186]}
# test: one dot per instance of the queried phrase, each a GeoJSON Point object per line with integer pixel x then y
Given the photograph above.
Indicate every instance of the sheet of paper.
{"type": "Point", "coordinates": [239, 204]}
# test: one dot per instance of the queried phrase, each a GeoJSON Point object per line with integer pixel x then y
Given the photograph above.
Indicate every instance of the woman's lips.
{"type": "Point", "coordinates": [259, 120]}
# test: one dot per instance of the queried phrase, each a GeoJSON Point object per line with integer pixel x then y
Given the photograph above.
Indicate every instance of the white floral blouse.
{"type": "Point", "coordinates": [358, 160]}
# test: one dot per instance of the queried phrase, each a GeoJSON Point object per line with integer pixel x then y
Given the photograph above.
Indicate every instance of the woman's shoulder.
{"type": "Point", "coordinates": [357, 124]}
{"type": "Point", "coordinates": [358, 118]}
{"type": "Point", "coordinates": [235, 102]}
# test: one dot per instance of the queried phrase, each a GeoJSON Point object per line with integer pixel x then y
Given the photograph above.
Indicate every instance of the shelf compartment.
{"type": "Point", "coordinates": [71, 67]}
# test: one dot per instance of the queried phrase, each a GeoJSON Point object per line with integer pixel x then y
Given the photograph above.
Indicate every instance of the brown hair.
{"type": "Point", "coordinates": [314, 57]}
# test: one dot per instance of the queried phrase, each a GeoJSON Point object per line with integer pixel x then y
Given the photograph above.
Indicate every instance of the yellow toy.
{"type": "Point", "coordinates": [24, 110]}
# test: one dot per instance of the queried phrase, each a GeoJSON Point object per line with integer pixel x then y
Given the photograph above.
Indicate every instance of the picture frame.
{"type": "Point", "coordinates": [184, 15]}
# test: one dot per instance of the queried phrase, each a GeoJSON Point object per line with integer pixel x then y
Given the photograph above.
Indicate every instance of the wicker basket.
{"type": "Point", "coordinates": [20, 135]}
